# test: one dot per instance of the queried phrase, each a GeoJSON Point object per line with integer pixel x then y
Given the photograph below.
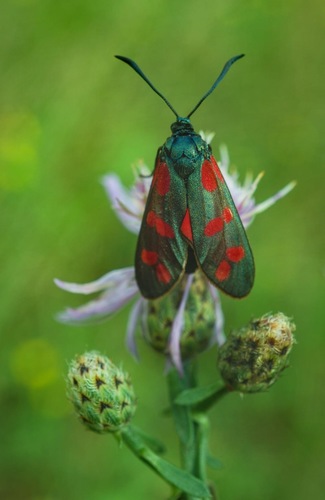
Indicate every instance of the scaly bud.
{"type": "Point", "coordinates": [252, 358]}
{"type": "Point", "coordinates": [198, 319]}
{"type": "Point", "coordinates": [101, 393]}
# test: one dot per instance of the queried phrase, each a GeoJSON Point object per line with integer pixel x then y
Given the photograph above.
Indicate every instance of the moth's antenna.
{"type": "Point", "coordinates": [140, 73]}
{"type": "Point", "coordinates": [218, 80]}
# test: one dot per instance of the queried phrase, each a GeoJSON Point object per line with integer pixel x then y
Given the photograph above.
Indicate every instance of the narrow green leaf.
{"type": "Point", "coordinates": [178, 477]}
{"type": "Point", "coordinates": [153, 443]}
{"type": "Point", "coordinates": [192, 397]}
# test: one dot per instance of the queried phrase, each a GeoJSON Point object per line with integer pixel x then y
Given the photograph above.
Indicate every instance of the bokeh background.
{"type": "Point", "coordinates": [70, 113]}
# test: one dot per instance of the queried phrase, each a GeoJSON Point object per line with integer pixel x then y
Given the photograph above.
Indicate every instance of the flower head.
{"type": "Point", "coordinates": [118, 287]}
{"type": "Point", "coordinates": [101, 393]}
{"type": "Point", "coordinates": [252, 359]}
{"type": "Point", "coordinates": [184, 322]}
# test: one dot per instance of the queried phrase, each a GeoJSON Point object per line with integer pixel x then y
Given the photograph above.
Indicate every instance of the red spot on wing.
{"type": "Point", "coordinates": [151, 218]}
{"type": "Point", "coordinates": [186, 227]}
{"type": "Point", "coordinates": [162, 227]}
{"type": "Point", "coordinates": [208, 178]}
{"type": "Point", "coordinates": [149, 258]}
{"type": "Point", "coordinates": [161, 180]}
{"type": "Point", "coordinates": [223, 270]}
{"type": "Point", "coordinates": [235, 254]}
{"type": "Point", "coordinates": [227, 215]}
{"type": "Point", "coordinates": [213, 227]}
{"type": "Point", "coordinates": [162, 273]}
{"type": "Point", "coordinates": [216, 169]}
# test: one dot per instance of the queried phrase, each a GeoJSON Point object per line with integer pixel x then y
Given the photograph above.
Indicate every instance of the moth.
{"type": "Point", "coordinates": [190, 219]}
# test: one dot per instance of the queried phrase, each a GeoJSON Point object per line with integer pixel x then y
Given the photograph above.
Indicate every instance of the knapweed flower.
{"type": "Point", "coordinates": [118, 287]}
{"type": "Point", "coordinates": [192, 302]}
{"type": "Point", "coordinates": [253, 358]}
{"type": "Point", "coordinates": [101, 393]}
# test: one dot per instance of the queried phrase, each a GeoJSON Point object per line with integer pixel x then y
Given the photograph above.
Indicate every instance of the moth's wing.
{"type": "Point", "coordinates": [219, 239]}
{"type": "Point", "coordinates": [161, 252]}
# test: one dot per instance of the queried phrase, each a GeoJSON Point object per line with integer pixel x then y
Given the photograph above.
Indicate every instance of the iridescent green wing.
{"type": "Point", "coordinates": [161, 252]}
{"type": "Point", "coordinates": [218, 237]}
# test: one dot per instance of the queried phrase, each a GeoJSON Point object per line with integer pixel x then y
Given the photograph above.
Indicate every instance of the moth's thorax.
{"type": "Point", "coordinates": [185, 150]}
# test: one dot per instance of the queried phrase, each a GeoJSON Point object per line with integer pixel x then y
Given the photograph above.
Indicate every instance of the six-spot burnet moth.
{"type": "Point", "coordinates": [190, 219]}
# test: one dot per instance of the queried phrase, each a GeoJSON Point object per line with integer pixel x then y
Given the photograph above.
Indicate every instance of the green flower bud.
{"type": "Point", "coordinates": [101, 393]}
{"type": "Point", "coordinates": [252, 358]}
{"type": "Point", "coordinates": [198, 319]}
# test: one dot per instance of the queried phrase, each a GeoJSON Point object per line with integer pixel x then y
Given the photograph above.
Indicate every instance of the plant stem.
{"type": "Point", "coordinates": [192, 429]}
{"type": "Point", "coordinates": [202, 430]}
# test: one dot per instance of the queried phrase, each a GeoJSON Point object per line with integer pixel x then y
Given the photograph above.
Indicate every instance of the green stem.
{"type": "Point", "coordinates": [202, 431]}
{"type": "Point", "coordinates": [192, 429]}
{"type": "Point", "coordinates": [184, 424]}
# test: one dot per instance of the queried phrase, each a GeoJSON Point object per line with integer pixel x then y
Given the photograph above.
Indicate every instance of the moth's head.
{"type": "Point", "coordinates": [181, 126]}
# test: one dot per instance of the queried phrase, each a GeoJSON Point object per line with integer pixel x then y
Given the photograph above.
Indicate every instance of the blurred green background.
{"type": "Point", "coordinates": [70, 113]}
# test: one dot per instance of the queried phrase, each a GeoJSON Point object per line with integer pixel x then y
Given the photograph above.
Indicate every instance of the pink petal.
{"type": "Point", "coordinates": [176, 330]}
{"type": "Point", "coordinates": [124, 202]}
{"type": "Point", "coordinates": [269, 202]}
{"type": "Point", "coordinates": [109, 280]}
{"type": "Point", "coordinates": [104, 306]}
{"type": "Point", "coordinates": [219, 336]}
{"type": "Point", "coordinates": [132, 326]}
